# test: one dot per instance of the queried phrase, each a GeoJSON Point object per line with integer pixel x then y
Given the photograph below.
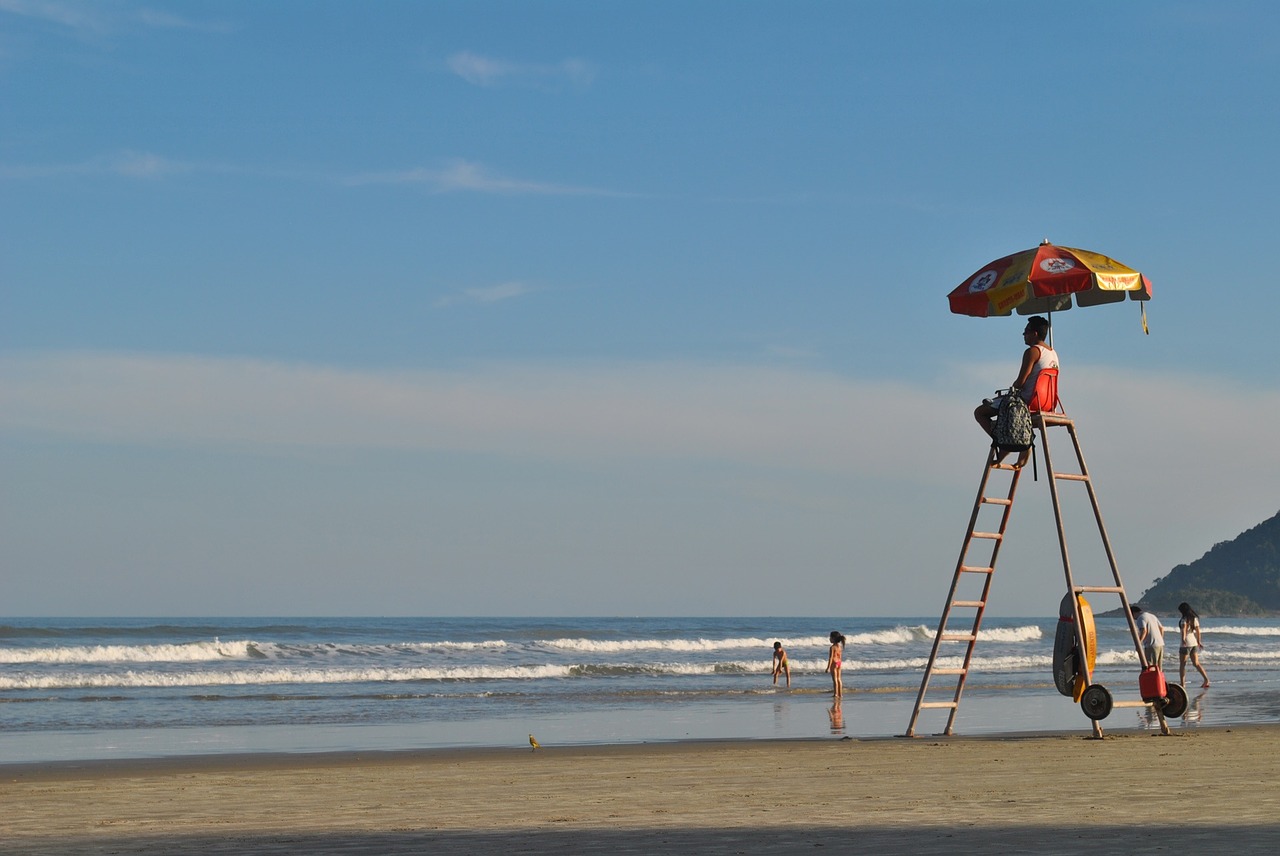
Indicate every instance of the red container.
{"type": "Point", "coordinates": [1151, 684]}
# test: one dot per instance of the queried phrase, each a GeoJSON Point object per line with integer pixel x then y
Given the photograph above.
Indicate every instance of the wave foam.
{"type": "Point", "coordinates": [1242, 631]}
{"type": "Point", "coordinates": [277, 676]}
{"type": "Point", "coordinates": [187, 652]}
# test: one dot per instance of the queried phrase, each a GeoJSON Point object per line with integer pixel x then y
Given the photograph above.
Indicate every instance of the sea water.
{"type": "Point", "coordinates": [111, 688]}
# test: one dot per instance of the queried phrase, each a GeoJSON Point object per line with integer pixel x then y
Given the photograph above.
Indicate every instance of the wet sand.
{"type": "Point", "coordinates": [1202, 791]}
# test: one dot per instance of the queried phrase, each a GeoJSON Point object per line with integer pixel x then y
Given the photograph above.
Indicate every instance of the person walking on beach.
{"type": "Point", "coordinates": [1035, 358]}
{"type": "Point", "coordinates": [1191, 644]}
{"type": "Point", "coordinates": [1150, 635]}
{"type": "Point", "coordinates": [780, 664]}
{"type": "Point", "coordinates": [835, 656]}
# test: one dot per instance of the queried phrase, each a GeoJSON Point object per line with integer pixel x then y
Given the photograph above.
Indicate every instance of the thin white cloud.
{"type": "Point", "coordinates": [454, 176]}
{"type": "Point", "coordinates": [892, 462]}
{"type": "Point", "coordinates": [487, 294]}
{"type": "Point", "coordinates": [762, 416]}
{"type": "Point", "coordinates": [78, 17]}
{"type": "Point", "coordinates": [126, 164]}
{"type": "Point", "coordinates": [490, 72]}
{"type": "Point", "coordinates": [95, 20]}
{"type": "Point", "coordinates": [165, 19]}
{"type": "Point", "coordinates": [467, 176]}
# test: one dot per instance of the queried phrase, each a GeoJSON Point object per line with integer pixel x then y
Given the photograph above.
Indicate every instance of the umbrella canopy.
{"type": "Point", "coordinates": [1047, 279]}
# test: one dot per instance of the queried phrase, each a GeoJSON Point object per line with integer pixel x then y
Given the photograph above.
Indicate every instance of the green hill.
{"type": "Point", "coordinates": [1236, 577]}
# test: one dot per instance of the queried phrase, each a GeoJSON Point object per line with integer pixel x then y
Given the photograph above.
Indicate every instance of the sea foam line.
{"type": "Point", "coordinates": [901, 635]}
{"type": "Point", "coordinates": [1242, 631]}
{"type": "Point", "coordinates": [186, 652]}
{"type": "Point", "coordinates": [243, 677]}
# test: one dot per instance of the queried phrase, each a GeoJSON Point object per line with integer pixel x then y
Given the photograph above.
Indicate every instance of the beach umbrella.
{"type": "Point", "coordinates": [1048, 278]}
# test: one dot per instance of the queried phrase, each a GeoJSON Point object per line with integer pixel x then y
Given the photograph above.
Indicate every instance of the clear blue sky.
{"type": "Point", "coordinates": [610, 308]}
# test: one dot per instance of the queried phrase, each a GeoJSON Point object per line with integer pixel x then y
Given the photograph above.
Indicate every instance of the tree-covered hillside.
{"type": "Point", "coordinates": [1236, 577]}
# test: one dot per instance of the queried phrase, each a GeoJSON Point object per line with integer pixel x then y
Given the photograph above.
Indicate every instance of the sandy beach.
{"type": "Point", "coordinates": [1208, 791]}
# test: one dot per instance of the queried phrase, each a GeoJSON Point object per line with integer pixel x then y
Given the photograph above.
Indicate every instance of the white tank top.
{"type": "Point", "coordinates": [1048, 359]}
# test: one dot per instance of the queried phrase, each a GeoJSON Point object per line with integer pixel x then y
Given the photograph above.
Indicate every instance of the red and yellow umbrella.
{"type": "Point", "coordinates": [1048, 278]}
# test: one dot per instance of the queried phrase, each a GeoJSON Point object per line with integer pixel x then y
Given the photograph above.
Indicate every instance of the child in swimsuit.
{"type": "Point", "coordinates": [780, 665]}
{"type": "Point", "coordinates": [834, 658]}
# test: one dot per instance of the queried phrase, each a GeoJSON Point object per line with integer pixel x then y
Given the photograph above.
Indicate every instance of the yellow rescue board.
{"type": "Point", "coordinates": [1090, 634]}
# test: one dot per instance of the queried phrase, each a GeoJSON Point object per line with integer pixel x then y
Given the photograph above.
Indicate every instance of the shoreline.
{"type": "Point", "coordinates": [864, 715]}
{"type": "Point", "coordinates": [217, 762]}
{"type": "Point", "coordinates": [1052, 792]}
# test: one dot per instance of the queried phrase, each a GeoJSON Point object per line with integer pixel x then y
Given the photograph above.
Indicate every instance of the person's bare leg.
{"type": "Point", "coordinates": [984, 414]}
{"type": "Point", "coordinates": [1195, 661]}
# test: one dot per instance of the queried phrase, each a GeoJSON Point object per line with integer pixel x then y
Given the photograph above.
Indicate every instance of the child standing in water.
{"type": "Point", "coordinates": [780, 664]}
{"type": "Point", "coordinates": [835, 656]}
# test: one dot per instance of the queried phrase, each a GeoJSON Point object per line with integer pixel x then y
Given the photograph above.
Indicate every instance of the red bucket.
{"type": "Point", "coordinates": [1151, 684]}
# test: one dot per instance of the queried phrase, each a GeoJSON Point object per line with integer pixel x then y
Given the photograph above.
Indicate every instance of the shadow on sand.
{"type": "Point", "coordinates": [920, 841]}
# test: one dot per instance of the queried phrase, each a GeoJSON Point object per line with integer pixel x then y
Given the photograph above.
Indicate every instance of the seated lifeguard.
{"type": "Point", "coordinates": [1037, 357]}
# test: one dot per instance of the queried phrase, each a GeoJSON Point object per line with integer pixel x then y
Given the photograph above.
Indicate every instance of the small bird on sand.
{"type": "Point", "coordinates": [534, 743]}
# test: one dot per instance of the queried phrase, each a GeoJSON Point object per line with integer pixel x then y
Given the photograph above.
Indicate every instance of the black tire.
{"type": "Point", "coordinates": [1096, 702]}
{"type": "Point", "coordinates": [1175, 700]}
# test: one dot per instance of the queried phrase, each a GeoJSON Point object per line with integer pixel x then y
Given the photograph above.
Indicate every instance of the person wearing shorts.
{"type": "Point", "coordinates": [1192, 644]}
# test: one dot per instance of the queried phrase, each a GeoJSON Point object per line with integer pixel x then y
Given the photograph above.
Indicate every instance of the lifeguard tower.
{"type": "Point", "coordinates": [1040, 280]}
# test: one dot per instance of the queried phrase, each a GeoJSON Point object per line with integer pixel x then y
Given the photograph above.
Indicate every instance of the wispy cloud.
{"type": "Point", "coordinates": [454, 176]}
{"type": "Point", "coordinates": [490, 72]}
{"type": "Point", "coordinates": [166, 20]}
{"type": "Point", "coordinates": [635, 411]}
{"type": "Point", "coordinates": [487, 294]}
{"type": "Point", "coordinates": [127, 164]}
{"type": "Point", "coordinates": [764, 415]}
{"type": "Point", "coordinates": [467, 176]}
{"type": "Point", "coordinates": [77, 17]}
{"type": "Point", "coordinates": [96, 20]}
{"type": "Point", "coordinates": [900, 457]}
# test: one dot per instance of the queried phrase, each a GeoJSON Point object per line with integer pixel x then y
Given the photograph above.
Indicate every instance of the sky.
{"type": "Point", "coordinates": [613, 308]}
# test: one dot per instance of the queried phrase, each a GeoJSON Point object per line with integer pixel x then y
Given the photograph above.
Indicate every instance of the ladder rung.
{"type": "Point", "coordinates": [1105, 589]}
{"type": "Point", "coordinates": [974, 569]}
{"type": "Point", "coordinates": [925, 704]}
{"type": "Point", "coordinates": [997, 500]}
{"type": "Point", "coordinates": [994, 536]}
{"type": "Point", "coordinates": [978, 603]}
{"type": "Point", "coordinates": [1071, 476]}
{"type": "Point", "coordinates": [950, 671]}
{"type": "Point", "coordinates": [957, 637]}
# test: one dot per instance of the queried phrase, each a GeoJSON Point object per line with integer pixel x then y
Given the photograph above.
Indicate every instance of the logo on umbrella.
{"type": "Point", "coordinates": [982, 281]}
{"type": "Point", "coordinates": [1056, 265]}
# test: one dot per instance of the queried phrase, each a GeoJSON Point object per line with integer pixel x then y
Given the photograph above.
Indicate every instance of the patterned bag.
{"type": "Point", "coordinates": [1013, 424]}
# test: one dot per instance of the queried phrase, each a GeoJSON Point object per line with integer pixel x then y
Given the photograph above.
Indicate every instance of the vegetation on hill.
{"type": "Point", "coordinates": [1236, 577]}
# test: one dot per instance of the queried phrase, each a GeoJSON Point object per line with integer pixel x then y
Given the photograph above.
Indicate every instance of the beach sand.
{"type": "Point", "coordinates": [1204, 791]}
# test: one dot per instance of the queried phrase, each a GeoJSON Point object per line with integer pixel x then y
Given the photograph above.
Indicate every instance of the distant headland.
{"type": "Point", "coordinates": [1236, 577]}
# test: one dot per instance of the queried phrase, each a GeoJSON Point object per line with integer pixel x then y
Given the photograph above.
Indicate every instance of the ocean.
{"type": "Point", "coordinates": [80, 689]}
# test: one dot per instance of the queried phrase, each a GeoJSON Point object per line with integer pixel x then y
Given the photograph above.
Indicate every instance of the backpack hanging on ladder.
{"type": "Point", "coordinates": [1013, 424]}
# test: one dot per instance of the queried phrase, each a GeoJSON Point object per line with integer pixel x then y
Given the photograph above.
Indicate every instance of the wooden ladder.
{"type": "Point", "coordinates": [984, 572]}
{"type": "Point", "coordinates": [968, 576]}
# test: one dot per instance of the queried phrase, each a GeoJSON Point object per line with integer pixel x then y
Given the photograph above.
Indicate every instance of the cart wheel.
{"type": "Point", "coordinates": [1175, 700]}
{"type": "Point", "coordinates": [1096, 702]}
